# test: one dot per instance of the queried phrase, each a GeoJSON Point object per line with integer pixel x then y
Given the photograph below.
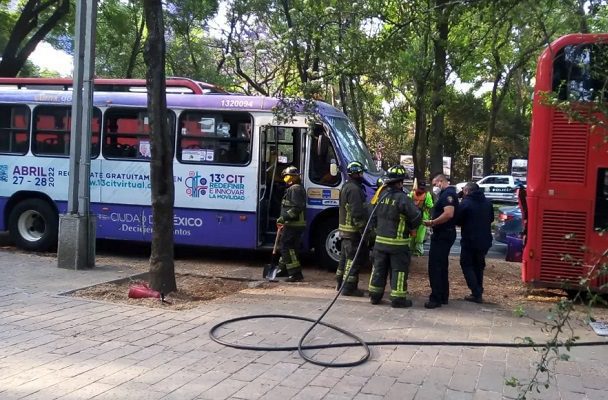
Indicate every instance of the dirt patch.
{"type": "Point", "coordinates": [193, 290]}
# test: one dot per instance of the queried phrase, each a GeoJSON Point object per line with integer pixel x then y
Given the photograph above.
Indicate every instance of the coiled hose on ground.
{"type": "Point", "coordinates": [357, 340]}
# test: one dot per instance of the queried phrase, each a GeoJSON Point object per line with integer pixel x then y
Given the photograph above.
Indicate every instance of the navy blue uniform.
{"type": "Point", "coordinates": [475, 216]}
{"type": "Point", "coordinates": [442, 239]}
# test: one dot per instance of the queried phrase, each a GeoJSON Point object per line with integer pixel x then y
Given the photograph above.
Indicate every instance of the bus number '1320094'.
{"type": "Point", "coordinates": [237, 103]}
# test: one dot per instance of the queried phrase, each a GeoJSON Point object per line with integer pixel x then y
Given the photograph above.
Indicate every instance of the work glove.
{"type": "Point", "coordinates": [280, 222]}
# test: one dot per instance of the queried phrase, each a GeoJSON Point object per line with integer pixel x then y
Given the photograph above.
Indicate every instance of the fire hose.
{"type": "Point", "coordinates": [358, 341]}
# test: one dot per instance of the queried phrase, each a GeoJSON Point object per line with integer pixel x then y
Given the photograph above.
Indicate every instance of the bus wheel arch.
{"type": "Point", "coordinates": [325, 239]}
{"type": "Point", "coordinates": [33, 221]}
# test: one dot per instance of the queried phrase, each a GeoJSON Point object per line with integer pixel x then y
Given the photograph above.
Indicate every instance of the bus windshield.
{"type": "Point", "coordinates": [351, 144]}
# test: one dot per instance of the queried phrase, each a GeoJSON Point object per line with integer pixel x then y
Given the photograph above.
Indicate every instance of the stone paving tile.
{"type": "Point", "coordinates": [69, 348]}
{"type": "Point", "coordinates": [401, 391]}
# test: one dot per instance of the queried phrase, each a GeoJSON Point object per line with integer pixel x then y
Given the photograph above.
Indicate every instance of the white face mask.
{"type": "Point", "coordinates": [436, 190]}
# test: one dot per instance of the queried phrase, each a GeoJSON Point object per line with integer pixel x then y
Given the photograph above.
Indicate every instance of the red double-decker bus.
{"type": "Point", "coordinates": [567, 192]}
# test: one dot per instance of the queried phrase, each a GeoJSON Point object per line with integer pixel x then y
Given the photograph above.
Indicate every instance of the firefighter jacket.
{"type": "Point", "coordinates": [353, 211]}
{"type": "Point", "coordinates": [395, 216]}
{"type": "Point", "coordinates": [293, 206]}
{"type": "Point", "coordinates": [424, 203]}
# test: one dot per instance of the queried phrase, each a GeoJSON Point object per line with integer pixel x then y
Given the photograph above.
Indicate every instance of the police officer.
{"type": "Point", "coordinates": [442, 239]}
{"type": "Point", "coordinates": [475, 216]}
{"type": "Point", "coordinates": [292, 223]}
{"type": "Point", "coordinates": [396, 218]}
{"type": "Point", "coordinates": [352, 219]}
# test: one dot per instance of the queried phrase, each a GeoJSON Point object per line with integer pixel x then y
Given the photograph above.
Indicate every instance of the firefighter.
{"type": "Point", "coordinates": [352, 219]}
{"type": "Point", "coordinates": [292, 224]}
{"type": "Point", "coordinates": [396, 219]}
{"type": "Point", "coordinates": [424, 202]}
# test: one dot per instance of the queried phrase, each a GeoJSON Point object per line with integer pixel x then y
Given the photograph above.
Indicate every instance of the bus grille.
{"type": "Point", "coordinates": [568, 157]}
{"type": "Point", "coordinates": [563, 234]}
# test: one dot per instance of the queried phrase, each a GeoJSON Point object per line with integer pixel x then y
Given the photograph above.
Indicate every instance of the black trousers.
{"type": "Point", "coordinates": [473, 262]}
{"type": "Point", "coordinates": [347, 269]}
{"type": "Point", "coordinates": [397, 263]}
{"type": "Point", "coordinates": [290, 244]}
{"type": "Point", "coordinates": [441, 243]}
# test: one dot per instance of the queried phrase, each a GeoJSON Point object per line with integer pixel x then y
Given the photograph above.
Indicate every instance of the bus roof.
{"type": "Point", "coordinates": [220, 101]}
{"type": "Point", "coordinates": [174, 85]}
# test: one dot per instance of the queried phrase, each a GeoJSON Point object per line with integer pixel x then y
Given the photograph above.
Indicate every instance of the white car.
{"type": "Point", "coordinates": [497, 187]}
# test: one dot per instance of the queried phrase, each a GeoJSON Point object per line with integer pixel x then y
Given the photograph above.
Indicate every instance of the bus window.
{"type": "Point", "coordinates": [214, 138]}
{"type": "Point", "coordinates": [14, 129]}
{"type": "Point", "coordinates": [578, 70]}
{"type": "Point", "coordinates": [127, 133]}
{"type": "Point", "coordinates": [321, 155]}
{"type": "Point", "coordinates": [52, 125]}
{"type": "Point", "coordinates": [601, 201]}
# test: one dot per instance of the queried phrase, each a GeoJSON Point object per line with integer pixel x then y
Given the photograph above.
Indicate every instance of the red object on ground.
{"type": "Point", "coordinates": [142, 291]}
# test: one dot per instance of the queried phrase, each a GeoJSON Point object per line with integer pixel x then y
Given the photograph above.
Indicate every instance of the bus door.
{"type": "Point", "coordinates": [280, 147]}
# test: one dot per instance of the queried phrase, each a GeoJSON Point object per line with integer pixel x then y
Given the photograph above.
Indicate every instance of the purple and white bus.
{"type": "Point", "coordinates": [229, 152]}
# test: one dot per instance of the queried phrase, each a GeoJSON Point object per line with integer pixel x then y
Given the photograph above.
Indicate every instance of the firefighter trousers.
{"type": "Point", "coordinates": [290, 244]}
{"type": "Point", "coordinates": [395, 262]}
{"type": "Point", "coordinates": [349, 268]}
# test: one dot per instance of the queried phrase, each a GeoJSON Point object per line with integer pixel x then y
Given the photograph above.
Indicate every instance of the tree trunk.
{"type": "Point", "coordinates": [162, 269]}
{"type": "Point", "coordinates": [29, 30]}
{"type": "Point", "coordinates": [343, 100]}
{"type": "Point", "coordinates": [353, 101]}
{"type": "Point", "coordinates": [135, 49]}
{"type": "Point", "coordinates": [438, 86]}
{"type": "Point", "coordinates": [420, 133]}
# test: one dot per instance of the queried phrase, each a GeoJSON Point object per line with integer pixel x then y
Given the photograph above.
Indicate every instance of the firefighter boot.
{"type": "Point", "coordinates": [297, 277]}
{"type": "Point", "coordinates": [401, 303]}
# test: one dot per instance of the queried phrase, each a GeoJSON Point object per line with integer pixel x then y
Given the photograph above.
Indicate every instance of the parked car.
{"type": "Point", "coordinates": [497, 187]}
{"type": "Point", "coordinates": [509, 223]}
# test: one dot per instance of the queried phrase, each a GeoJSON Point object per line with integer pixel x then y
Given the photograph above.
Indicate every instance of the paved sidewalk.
{"type": "Point", "coordinates": [60, 347]}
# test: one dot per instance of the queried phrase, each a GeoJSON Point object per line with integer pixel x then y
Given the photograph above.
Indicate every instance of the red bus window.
{"type": "Point", "coordinates": [52, 131]}
{"type": "Point", "coordinates": [14, 129]}
{"type": "Point", "coordinates": [126, 133]}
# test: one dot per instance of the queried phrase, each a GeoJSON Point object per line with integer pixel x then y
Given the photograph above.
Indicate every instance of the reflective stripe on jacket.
{"type": "Point", "coordinates": [353, 212]}
{"type": "Point", "coordinates": [293, 206]}
{"type": "Point", "coordinates": [395, 216]}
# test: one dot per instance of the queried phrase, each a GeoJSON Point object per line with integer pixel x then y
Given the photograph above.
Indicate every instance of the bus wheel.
{"type": "Point", "coordinates": [328, 245]}
{"type": "Point", "coordinates": [33, 225]}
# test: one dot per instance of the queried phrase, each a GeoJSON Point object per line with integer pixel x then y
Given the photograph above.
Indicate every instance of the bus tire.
{"type": "Point", "coordinates": [327, 244]}
{"type": "Point", "coordinates": [33, 225]}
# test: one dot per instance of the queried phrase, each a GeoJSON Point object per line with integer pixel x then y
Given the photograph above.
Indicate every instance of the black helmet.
{"type": "Point", "coordinates": [291, 170]}
{"type": "Point", "coordinates": [395, 174]}
{"type": "Point", "coordinates": [355, 167]}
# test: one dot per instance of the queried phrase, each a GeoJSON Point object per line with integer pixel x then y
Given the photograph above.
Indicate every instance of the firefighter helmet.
{"type": "Point", "coordinates": [290, 171]}
{"type": "Point", "coordinates": [395, 174]}
{"type": "Point", "coordinates": [355, 167]}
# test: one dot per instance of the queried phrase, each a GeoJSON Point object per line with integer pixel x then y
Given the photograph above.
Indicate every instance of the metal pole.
{"type": "Point", "coordinates": [76, 247]}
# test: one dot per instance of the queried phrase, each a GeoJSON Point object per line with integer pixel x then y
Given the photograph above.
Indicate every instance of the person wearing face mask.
{"type": "Point", "coordinates": [424, 202]}
{"type": "Point", "coordinates": [442, 239]}
{"type": "Point", "coordinates": [353, 216]}
{"type": "Point", "coordinates": [292, 224]}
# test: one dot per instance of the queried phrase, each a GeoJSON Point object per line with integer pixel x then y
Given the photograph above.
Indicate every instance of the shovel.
{"type": "Point", "coordinates": [271, 270]}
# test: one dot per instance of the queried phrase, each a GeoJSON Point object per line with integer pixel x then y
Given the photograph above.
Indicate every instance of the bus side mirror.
{"type": "Point", "coordinates": [333, 168]}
